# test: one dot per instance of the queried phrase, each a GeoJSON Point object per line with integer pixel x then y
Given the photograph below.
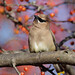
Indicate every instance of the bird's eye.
{"type": "Point", "coordinates": [41, 20]}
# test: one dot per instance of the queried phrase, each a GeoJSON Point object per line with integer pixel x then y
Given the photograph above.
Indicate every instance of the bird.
{"type": "Point", "coordinates": [41, 38]}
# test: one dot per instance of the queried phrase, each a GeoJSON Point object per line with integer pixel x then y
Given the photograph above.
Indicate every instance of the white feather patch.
{"type": "Point", "coordinates": [40, 46]}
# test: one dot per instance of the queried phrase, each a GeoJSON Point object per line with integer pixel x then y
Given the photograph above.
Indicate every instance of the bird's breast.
{"type": "Point", "coordinates": [41, 40]}
{"type": "Point", "coordinates": [41, 46]}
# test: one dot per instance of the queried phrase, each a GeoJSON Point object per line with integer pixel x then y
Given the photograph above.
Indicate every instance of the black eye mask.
{"type": "Point", "coordinates": [41, 20]}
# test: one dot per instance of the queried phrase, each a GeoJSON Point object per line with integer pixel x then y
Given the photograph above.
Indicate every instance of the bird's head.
{"type": "Point", "coordinates": [41, 20]}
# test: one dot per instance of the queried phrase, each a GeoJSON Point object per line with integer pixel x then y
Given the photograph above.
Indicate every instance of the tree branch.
{"type": "Point", "coordinates": [70, 69]}
{"type": "Point", "coordinates": [25, 58]}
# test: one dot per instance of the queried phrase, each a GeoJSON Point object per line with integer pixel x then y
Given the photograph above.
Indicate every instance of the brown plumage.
{"type": "Point", "coordinates": [41, 37]}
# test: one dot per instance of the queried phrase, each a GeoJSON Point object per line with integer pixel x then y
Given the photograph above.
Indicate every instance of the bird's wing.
{"type": "Point", "coordinates": [56, 45]}
{"type": "Point", "coordinates": [53, 36]}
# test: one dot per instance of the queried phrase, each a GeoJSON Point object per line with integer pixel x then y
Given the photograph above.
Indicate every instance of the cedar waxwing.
{"type": "Point", "coordinates": [41, 37]}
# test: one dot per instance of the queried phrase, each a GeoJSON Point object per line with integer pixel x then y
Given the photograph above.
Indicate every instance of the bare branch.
{"type": "Point", "coordinates": [67, 38]}
{"type": "Point", "coordinates": [24, 58]}
{"type": "Point", "coordinates": [43, 68]}
{"type": "Point", "coordinates": [14, 20]}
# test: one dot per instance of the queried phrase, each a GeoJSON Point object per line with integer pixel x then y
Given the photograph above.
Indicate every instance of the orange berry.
{"type": "Point", "coordinates": [26, 17]}
{"type": "Point", "coordinates": [20, 26]}
{"type": "Point", "coordinates": [71, 12]}
{"type": "Point", "coordinates": [62, 29]}
{"type": "Point", "coordinates": [8, 8]}
{"type": "Point", "coordinates": [52, 14]}
{"type": "Point", "coordinates": [74, 50]}
{"type": "Point", "coordinates": [20, 6]}
{"type": "Point", "coordinates": [74, 10]}
{"type": "Point", "coordinates": [16, 31]}
{"type": "Point", "coordinates": [72, 43]}
{"type": "Point", "coordinates": [70, 19]}
{"type": "Point", "coordinates": [1, 10]}
{"type": "Point", "coordinates": [23, 9]}
{"type": "Point", "coordinates": [25, 30]}
{"type": "Point", "coordinates": [19, 19]}
{"type": "Point", "coordinates": [26, 0]}
{"type": "Point", "coordinates": [25, 47]}
{"type": "Point", "coordinates": [22, 73]}
{"type": "Point", "coordinates": [54, 31]}
{"type": "Point", "coordinates": [18, 10]}
{"type": "Point", "coordinates": [42, 73]}
{"type": "Point", "coordinates": [25, 68]}
{"type": "Point", "coordinates": [21, 0]}
{"type": "Point", "coordinates": [51, 4]}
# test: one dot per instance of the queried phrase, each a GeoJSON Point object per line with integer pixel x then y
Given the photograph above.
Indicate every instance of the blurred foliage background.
{"type": "Point", "coordinates": [16, 15]}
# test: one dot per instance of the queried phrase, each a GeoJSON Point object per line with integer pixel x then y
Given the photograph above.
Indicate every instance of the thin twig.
{"type": "Point", "coordinates": [14, 66]}
{"type": "Point", "coordinates": [66, 39]}
{"type": "Point", "coordinates": [47, 69]}
{"type": "Point", "coordinates": [4, 51]}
